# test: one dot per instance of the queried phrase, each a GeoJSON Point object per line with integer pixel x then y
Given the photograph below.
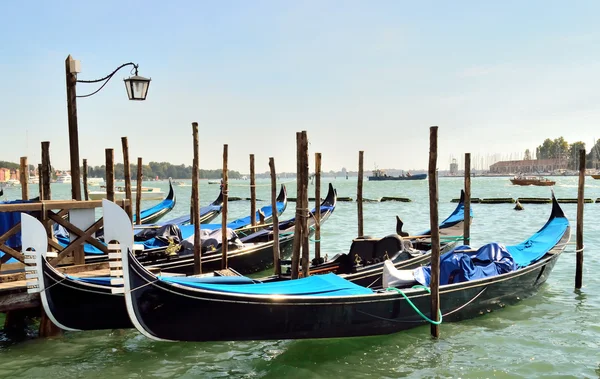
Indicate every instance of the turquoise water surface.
{"type": "Point", "coordinates": [555, 333]}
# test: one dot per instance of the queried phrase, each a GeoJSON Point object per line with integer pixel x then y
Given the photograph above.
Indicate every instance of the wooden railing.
{"type": "Point", "coordinates": [77, 217]}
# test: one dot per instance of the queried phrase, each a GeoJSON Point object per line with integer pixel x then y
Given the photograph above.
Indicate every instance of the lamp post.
{"type": "Point", "coordinates": [137, 89]}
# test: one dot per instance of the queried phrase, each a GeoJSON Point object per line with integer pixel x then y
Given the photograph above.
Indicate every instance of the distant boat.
{"type": "Point", "coordinates": [531, 181]}
{"type": "Point", "coordinates": [596, 176]}
{"type": "Point", "coordinates": [148, 193]}
{"type": "Point", "coordinates": [214, 182]}
{"type": "Point", "coordinates": [64, 178]}
{"type": "Point", "coordinates": [379, 175]}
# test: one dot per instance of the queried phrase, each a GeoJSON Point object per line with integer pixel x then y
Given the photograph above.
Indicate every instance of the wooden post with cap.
{"type": "Point", "coordinates": [253, 193]}
{"type": "Point", "coordinates": [110, 174]}
{"type": "Point", "coordinates": [86, 195]}
{"type": "Point", "coordinates": [71, 77]}
{"type": "Point", "coordinates": [24, 178]}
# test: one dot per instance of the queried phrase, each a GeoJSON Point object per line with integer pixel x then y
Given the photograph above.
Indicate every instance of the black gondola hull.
{"type": "Point", "coordinates": [81, 306]}
{"type": "Point", "coordinates": [212, 316]}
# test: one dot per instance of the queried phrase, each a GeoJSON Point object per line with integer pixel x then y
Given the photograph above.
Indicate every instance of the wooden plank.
{"type": "Point", "coordinates": [13, 253]}
{"type": "Point", "coordinates": [18, 298]}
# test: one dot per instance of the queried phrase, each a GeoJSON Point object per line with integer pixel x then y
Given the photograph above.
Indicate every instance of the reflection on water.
{"type": "Point", "coordinates": [554, 333]}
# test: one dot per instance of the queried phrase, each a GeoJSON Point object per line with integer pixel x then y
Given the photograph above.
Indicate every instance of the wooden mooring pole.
{"type": "Point", "coordinates": [196, 202]}
{"type": "Point", "coordinates": [359, 194]}
{"type": "Point", "coordinates": [138, 199]}
{"type": "Point", "coordinates": [110, 174]}
{"type": "Point", "coordinates": [225, 240]}
{"type": "Point", "coordinates": [23, 177]}
{"type": "Point", "coordinates": [467, 222]}
{"type": "Point", "coordinates": [46, 170]}
{"type": "Point", "coordinates": [276, 260]}
{"type": "Point", "coordinates": [127, 174]}
{"type": "Point", "coordinates": [579, 236]}
{"type": "Point", "coordinates": [86, 195]}
{"type": "Point", "coordinates": [297, 243]}
{"type": "Point", "coordinates": [253, 193]}
{"type": "Point", "coordinates": [71, 76]}
{"type": "Point", "coordinates": [434, 282]}
{"type": "Point", "coordinates": [304, 218]}
{"type": "Point", "coordinates": [318, 207]}
{"type": "Point", "coordinates": [40, 182]}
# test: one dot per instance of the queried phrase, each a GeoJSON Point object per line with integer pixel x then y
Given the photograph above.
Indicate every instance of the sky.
{"type": "Point", "coordinates": [496, 77]}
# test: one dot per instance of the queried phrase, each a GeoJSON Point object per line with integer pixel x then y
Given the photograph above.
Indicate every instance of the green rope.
{"type": "Point", "coordinates": [313, 240]}
{"type": "Point", "coordinates": [414, 307]}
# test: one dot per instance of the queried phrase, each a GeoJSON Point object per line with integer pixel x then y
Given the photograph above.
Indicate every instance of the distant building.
{"type": "Point", "coordinates": [528, 166]}
{"type": "Point", "coordinates": [453, 167]}
{"type": "Point", "coordinates": [4, 174]}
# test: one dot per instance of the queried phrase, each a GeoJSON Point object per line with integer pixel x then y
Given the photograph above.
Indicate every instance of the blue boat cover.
{"type": "Point", "coordinates": [244, 221]}
{"type": "Point", "coordinates": [316, 285]}
{"type": "Point", "coordinates": [187, 231]}
{"type": "Point", "coordinates": [456, 266]}
{"type": "Point", "coordinates": [540, 243]}
{"type": "Point", "coordinates": [457, 216]}
{"type": "Point", "coordinates": [165, 204]}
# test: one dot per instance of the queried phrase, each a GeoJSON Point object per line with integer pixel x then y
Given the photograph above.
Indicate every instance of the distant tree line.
{"type": "Point", "coordinates": [561, 149]}
{"type": "Point", "coordinates": [163, 170]}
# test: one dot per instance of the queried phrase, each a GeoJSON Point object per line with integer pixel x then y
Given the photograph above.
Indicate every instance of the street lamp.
{"type": "Point", "coordinates": [137, 89]}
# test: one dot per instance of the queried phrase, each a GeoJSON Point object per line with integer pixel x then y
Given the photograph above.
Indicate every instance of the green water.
{"type": "Point", "coordinates": [555, 333]}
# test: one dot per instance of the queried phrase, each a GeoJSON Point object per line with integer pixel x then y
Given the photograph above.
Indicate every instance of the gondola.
{"type": "Point", "coordinates": [152, 215]}
{"type": "Point", "coordinates": [241, 226]}
{"type": "Point", "coordinates": [74, 303]}
{"type": "Point", "coordinates": [320, 306]}
{"type": "Point", "coordinates": [363, 264]}
{"type": "Point", "coordinates": [254, 254]}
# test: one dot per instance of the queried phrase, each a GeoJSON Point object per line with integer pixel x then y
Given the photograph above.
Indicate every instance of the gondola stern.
{"type": "Point", "coordinates": [116, 230]}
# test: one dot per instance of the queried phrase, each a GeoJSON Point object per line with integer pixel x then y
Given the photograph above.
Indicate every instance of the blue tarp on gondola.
{"type": "Point", "coordinates": [456, 266]}
{"type": "Point", "coordinates": [165, 204]}
{"type": "Point", "coordinates": [9, 220]}
{"type": "Point", "coordinates": [537, 245]}
{"type": "Point", "coordinates": [316, 285]}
